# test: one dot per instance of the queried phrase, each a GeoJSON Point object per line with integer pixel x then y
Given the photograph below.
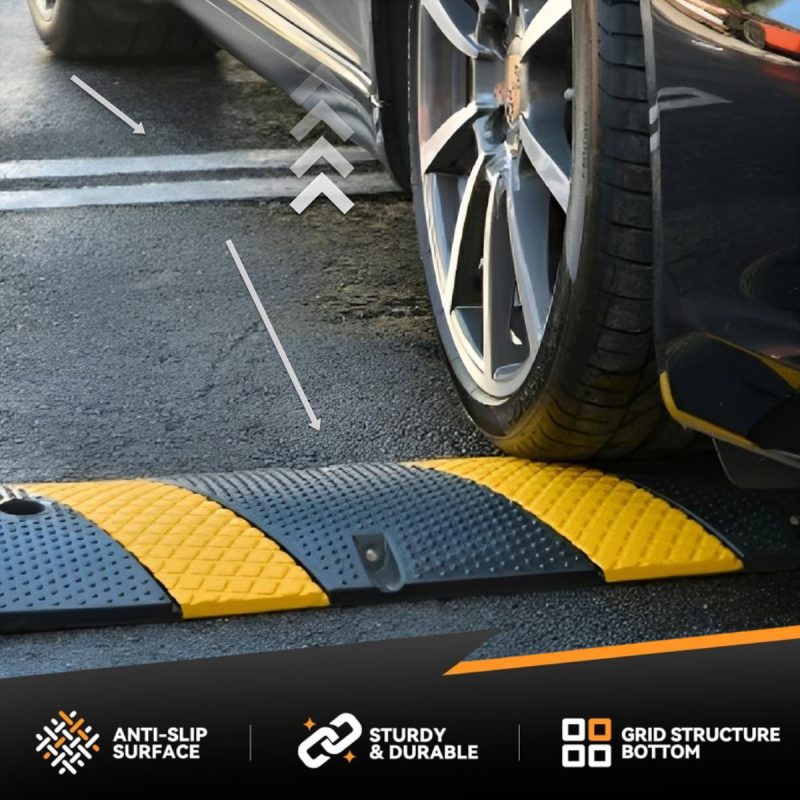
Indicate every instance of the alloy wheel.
{"type": "Point", "coordinates": [494, 91]}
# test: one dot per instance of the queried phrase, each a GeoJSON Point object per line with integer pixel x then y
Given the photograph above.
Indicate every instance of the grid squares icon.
{"type": "Point", "coordinates": [586, 742]}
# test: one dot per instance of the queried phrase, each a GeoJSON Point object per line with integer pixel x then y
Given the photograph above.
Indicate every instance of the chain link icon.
{"type": "Point", "coordinates": [333, 740]}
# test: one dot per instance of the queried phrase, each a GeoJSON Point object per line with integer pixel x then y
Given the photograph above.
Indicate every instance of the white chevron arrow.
{"type": "Point", "coordinates": [322, 184]}
{"type": "Point", "coordinates": [322, 148]}
{"type": "Point", "coordinates": [322, 112]}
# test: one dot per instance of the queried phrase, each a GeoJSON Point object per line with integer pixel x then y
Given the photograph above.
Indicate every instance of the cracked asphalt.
{"type": "Point", "coordinates": [130, 347]}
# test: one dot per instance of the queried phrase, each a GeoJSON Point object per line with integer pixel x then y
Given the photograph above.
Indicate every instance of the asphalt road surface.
{"type": "Point", "coordinates": [130, 347]}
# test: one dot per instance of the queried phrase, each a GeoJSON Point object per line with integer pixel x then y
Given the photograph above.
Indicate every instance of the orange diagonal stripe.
{"type": "Point", "coordinates": [66, 717]}
{"type": "Point", "coordinates": [708, 642]}
{"type": "Point", "coordinates": [76, 725]}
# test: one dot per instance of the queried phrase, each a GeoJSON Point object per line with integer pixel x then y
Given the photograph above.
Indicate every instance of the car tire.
{"type": "Point", "coordinates": [754, 34]}
{"type": "Point", "coordinates": [118, 30]}
{"type": "Point", "coordinates": [567, 369]}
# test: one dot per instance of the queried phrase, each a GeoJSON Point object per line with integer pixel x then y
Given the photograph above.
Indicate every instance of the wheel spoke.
{"type": "Point", "coordinates": [499, 346]}
{"type": "Point", "coordinates": [458, 21]}
{"type": "Point", "coordinates": [460, 288]}
{"type": "Point", "coordinates": [450, 140]}
{"type": "Point", "coordinates": [528, 210]}
{"type": "Point", "coordinates": [500, 8]}
{"type": "Point", "coordinates": [547, 148]}
{"type": "Point", "coordinates": [548, 16]}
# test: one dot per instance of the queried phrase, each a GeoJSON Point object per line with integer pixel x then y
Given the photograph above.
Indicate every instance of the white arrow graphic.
{"type": "Point", "coordinates": [137, 126]}
{"type": "Point", "coordinates": [322, 148]}
{"type": "Point", "coordinates": [322, 184]}
{"type": "Point", "coordinates": [316, 422]}
{"type": "Point", "coordinates": [322, 112]}
{"type": "Point", "coordinates": [319, 77]}
{"type": "Point", "coordinates": [671, 98]}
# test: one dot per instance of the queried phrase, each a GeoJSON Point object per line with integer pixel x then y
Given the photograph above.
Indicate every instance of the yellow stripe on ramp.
{"type": "Point", "coordinates": [211, 561]}
{"type": "Point", "coordinates": [628, 532]}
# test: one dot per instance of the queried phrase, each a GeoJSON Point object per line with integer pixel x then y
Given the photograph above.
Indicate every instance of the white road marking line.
{"type": "Point", "coordinates": [672, 98]}
{"type": "Point", "coordinates": [184, 191]}
{"type": "Point", "coordinates": [132, 165]}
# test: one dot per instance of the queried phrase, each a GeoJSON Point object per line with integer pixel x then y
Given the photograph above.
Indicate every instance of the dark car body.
{"type": "Point", "coordinates": [725, 142]}
{"type": "Point", "coordinates": [728, 222]}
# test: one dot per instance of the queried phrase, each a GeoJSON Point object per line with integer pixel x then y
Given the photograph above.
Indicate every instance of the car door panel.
{"type": "Point", "coordinates": [287, 42]}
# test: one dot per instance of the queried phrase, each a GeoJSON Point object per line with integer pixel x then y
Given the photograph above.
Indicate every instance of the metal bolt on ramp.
{"type": "Point", "coordinates": [107, 552]}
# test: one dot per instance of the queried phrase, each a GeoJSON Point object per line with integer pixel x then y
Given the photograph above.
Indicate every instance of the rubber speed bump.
{"type": "Point", "coordinates": [218, 544]}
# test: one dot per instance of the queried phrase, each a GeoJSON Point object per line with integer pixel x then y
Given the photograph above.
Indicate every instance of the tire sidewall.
{"type": "Point", "coordinates": [117, 30]}
{"type": "Point", "coordinates": [501, 420]}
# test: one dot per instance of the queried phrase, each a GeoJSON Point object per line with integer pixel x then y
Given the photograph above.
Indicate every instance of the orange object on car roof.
{"type": "Point", "coordinates": [780, 38]}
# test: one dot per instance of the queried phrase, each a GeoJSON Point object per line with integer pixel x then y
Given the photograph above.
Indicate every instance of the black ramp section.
{"type": "Point", "coordinates": [385, 526]}
{"type": "Point", "coordinates": [59, 570]}
{"type": "Point", "coordinates": [754, 523]}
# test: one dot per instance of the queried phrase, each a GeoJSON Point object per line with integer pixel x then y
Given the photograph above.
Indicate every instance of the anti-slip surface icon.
{"type": "Point", "coordinates": [67, 743]}
{"type": "Point", "coordinates": [220, 544]}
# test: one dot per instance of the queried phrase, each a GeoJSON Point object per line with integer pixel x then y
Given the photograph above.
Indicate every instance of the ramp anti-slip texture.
{"type": "Point", "coordinates": [627, 531]}
{"type": "Point", "coordinates": [760, 525]}
{"type": "Point", "coordinates": [387, 527]}
{"type": "Point", "coordinates": [210, 561]}
{"type": "Point", "coordinates": [58, 569]}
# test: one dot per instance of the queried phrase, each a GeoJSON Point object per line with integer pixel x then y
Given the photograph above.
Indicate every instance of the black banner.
{"type": "Point", "coordinates": [358, 714]}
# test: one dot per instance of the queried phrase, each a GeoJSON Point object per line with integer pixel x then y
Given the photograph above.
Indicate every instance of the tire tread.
{"type": "Point", "coordinates": [610, 405]}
